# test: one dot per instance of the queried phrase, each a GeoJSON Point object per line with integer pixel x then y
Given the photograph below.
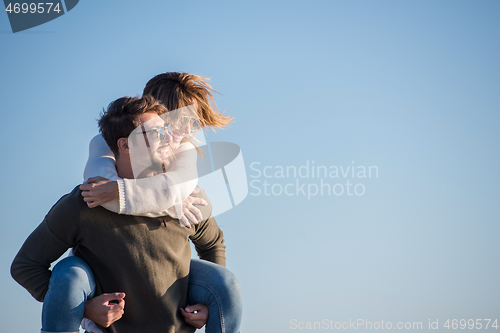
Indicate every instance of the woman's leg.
{"type": "Point", "coordinates": [218, 288]}
{"type": "Point", "coordinates": [71, 284]}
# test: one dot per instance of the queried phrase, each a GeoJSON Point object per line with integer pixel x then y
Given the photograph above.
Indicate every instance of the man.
{"type": "Point", "coordinates": [146, 259]}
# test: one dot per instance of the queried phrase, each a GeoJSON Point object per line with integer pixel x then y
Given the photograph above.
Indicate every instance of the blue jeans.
{"type": "Point", "coordinates": [72, 283]}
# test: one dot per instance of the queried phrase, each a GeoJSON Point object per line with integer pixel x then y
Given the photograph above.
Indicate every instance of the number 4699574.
{"type": "Point", "coordinates": [40, 8]}
{"type": "Point", "coordinates": [471, 324]}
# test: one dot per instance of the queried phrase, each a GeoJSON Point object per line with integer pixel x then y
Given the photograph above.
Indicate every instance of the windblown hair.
{"type": "Point", "coordinates": [176, 90]}
{"type": "Point", "coordinates": [122, 117]}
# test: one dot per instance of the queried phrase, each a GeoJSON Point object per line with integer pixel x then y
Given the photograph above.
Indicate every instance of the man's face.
{"type": "Point", "coordinates": [149, 144]}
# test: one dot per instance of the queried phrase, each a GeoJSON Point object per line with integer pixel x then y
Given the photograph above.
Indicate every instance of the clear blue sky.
{"type": "Point", "coordinates": [411, 88]}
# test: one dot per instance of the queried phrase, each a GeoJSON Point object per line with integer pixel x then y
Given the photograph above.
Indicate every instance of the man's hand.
{"type": "Point", "coordinates": [195, 315]}
{"type": "Point", "coordinates": [105, 309]}
{"type": "Point", "coordinates": [99, 190]}
{"type": "Point", "coordinates": [189, 212]}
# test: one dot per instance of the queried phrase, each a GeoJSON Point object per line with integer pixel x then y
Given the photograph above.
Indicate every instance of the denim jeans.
{"type": "Point", "coordinates": [218, 288]}
{"type": "Point", "coordinates": [72, 283]}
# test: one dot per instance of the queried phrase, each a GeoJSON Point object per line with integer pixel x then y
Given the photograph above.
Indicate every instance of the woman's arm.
{"type": "Point", "coordinates": [155, 196]}
{"type": "Point", "coordinates": [101, 160]}
{"type": "Point", "coordinates": [164, 193]}
{"type": "Point", "coordinates": [101, 185]}
{"type": "Point", "coordinates": [97, 191]}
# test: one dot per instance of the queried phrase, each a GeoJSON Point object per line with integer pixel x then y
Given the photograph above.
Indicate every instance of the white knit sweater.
{"type": "Point", "coordinates": [155, 196]}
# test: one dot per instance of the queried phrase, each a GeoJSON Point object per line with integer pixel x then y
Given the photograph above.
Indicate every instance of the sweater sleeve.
{"type": "Point", "coordinates": [155, 196]}
{"type": "Point", "coordinates": [101, 160]}
{"type": "Point", "coordinates": [209, 238]}
{"type": "Point", "coordinates": [30, 267]}
{"type": "Point", "coordinates": [101, 163]}
{"type": "Point", "coordinates": [163, 194]}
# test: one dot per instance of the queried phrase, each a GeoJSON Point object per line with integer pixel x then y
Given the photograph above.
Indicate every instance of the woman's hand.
{"type": "Point", "coordinates": [189, 212]}
{"type": "Point", "coordinates": [99, 190]}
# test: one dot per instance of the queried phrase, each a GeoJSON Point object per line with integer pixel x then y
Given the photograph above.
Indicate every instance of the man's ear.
{"type": "Point", "coordinates": [123, 146]}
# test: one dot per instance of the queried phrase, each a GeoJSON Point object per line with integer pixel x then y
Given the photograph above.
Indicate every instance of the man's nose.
{"type": "Point", "coordinates": [167, 138]}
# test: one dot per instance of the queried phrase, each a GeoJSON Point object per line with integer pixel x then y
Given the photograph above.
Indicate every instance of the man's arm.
{"type": "Point", "coordinates": [50, 240]}
{"type": "Point", "coordinates": [30, 267]}
{"type": "Point", "coordinates": [209, 239]}
{"type": "Point", "coordinates": [209, 242]}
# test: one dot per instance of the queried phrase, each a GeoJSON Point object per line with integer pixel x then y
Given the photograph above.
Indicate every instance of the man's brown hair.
{"type": "Point", "coordinates": [176, 90]}
{"type": "Point", "coordinates": [122, 117]}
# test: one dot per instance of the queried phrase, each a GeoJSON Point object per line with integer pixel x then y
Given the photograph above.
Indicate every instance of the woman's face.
{"type": "Point", "coordinates": [183, 122]}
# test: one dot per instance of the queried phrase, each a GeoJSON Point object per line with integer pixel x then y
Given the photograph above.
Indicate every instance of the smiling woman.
{"type": "Point", "coordinates": [189, 100]}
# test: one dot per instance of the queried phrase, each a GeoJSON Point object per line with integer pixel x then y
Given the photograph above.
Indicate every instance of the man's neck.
{"type": "Point", "coordinates": [124, 168]}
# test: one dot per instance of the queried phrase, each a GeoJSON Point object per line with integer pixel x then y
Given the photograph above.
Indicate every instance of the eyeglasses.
{"type": "Point", "coordinates": [186, 121]}
{"type": "Point", "coordinates": [159, 133]}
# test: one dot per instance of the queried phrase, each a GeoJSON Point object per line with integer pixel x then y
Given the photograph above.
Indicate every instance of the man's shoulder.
{"type": "Point", "coordinates": [64, 218]}
{"type": "Point", "coordinates": [70, 202]}
{"type": "Point", "coordinates": [75, 196]}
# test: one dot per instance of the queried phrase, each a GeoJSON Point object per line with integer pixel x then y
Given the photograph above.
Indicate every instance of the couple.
{"type": "Point", "coordinates": [132, 272]}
